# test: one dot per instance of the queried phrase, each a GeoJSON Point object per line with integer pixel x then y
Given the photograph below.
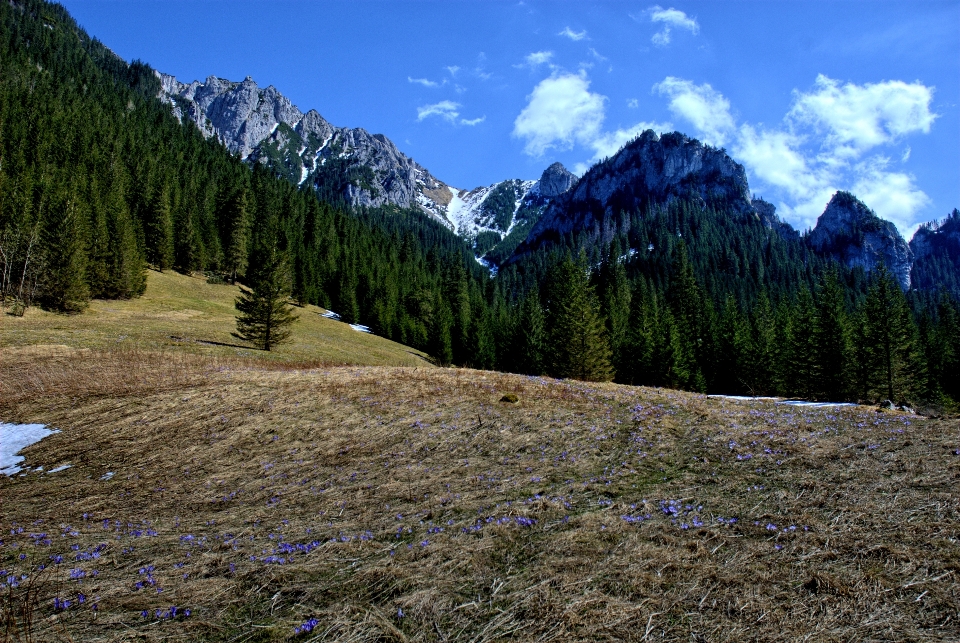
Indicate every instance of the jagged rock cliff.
{"type": "Point", "coordinates": [263, 126]}
{"type": "Point", "coordinates": [851, 233]}
{"type": "Point", "coordinates": [651, 169]}
{"type": "Point", "coordinates": [936, 255]}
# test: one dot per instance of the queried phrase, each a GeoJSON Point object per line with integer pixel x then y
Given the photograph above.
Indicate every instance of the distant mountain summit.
{"type": "Point", "coordinates": [650, 170]}
{"type": "Point", "coordinates": [936, 255]}
{"type": "Point", "coordinates": [262, 125]}
{"type": "Point", "coordinates": [854, 235]}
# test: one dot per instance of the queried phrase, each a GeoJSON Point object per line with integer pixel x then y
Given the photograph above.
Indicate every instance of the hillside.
{"type": "Point", "coordinates": [226, 503]}
{"type": "Point", "coordinates": [181, 314]}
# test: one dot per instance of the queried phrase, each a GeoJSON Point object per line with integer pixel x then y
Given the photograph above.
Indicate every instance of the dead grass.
{"type": "Point", "coordinates": [410, 504]}
{"type": "Point", "coordinates": [181, 314]}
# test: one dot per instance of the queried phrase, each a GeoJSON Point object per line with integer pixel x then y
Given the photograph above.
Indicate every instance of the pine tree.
{"type": "Point", "coordinates": [890, 337]}
{"type": "Point", "coordinates": [613, 291]}
{"type": "Point", "coordinates": [579, 348]}
{"type": "Point", "coordinates": [529, 336]}
{"type": "Point", "coordinates": [265, 317]}
{"type": "Point", "coordinates": [830, 341]}
{"type": "Point", "coordinates": [237, 218]}
{"type": "Point", "coordinates": [802, 347]}
{"type": "Point", "coordinates": [440, 344]}
{"type": "Point", "coordinates": [65, 259]}
{"type": "Point", "coordinates": [689, 325]}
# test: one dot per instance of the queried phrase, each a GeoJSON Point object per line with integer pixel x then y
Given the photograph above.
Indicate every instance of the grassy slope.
{"type": "Point", "coordinates": [262, 498]}
{"type": "Point", "coordinates": [177, 306]}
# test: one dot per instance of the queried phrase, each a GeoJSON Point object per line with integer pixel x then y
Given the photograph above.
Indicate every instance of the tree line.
{"type": "Point", "coordinates": [98, 182]}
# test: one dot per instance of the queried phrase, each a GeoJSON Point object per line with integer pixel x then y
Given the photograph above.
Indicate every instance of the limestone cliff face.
{"type": "Point", "coordinates": [651, 169]}
{"type": "Point", "coordinates": [851, 233]}
{"type": "Point", "coordinates": [263, 126]}
{"type": "Point", "coordinates": [936, 255]}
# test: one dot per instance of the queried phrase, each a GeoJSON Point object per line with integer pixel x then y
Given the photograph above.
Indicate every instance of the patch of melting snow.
{"type": "Point", "coordinates": [16, 437]}
{"type": "Point", "coordinates": [361, 328]}
{"type": "Point", "coordinates": [331, 315]}
{"type": "Point", "coordinates": [62, 467]}
{"type": "Point", "coordinates": [806, 403]}
{"type": "Point", "coordinates": [742, 398]}
{"type": "Point", "coordinates": [107, 475]}
{"type": "Point", "coordinates": [815, 404]}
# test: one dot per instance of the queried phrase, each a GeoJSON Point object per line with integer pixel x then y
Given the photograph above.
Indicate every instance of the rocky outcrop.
{"type": "Point", "coordinates": [555, 180]}
{"type": "Point", "coordinates": [854, 235]}
{"type": "Point", "coordinates": [651, 169]}
{"type": "Point", "coordinates": [263, 126]}
{"type": "Point", "coordinates": [936, 255]}
{"type": "Point", "coordinates": [767, 213]}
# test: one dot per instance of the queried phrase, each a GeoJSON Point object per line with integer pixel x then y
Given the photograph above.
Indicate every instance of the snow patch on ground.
{"type": "Point", "coordinates": [16, 437]}
{"type": "Point", "coordinates": [805, 403]}
{"type": "Point", "coordinates": [62, 467]}
{"type": "Point", "coordinates": [107, 475]}
{"type": "Point", "coordinates": [360, 328]}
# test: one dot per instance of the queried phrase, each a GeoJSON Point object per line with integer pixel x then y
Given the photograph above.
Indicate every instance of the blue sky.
{"type": "Point", "coordinates": [810, 96]}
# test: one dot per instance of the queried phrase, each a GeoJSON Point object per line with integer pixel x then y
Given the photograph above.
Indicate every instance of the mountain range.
{"type": "Point", "coordinates": [508, 219]}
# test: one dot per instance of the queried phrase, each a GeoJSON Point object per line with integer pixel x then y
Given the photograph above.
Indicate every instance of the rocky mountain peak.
{"type": "Point", "coordinates": [556, 180]}
{"type": "Point", "coordinates": [651, 169]}
{"type": "Point", "coordinates": [854, 235]}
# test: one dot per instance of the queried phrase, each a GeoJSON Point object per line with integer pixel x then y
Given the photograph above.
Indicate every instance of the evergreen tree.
{"type": "Point", "coordinates": [65, 260]}
{"type": "Point", "coordinates": [440, 343]}
{"type": "Point", "coordinates": [265, 317]}
{"type": "Point", "coordinates": [802, 347]}
{"type": "Point", "coordinates": [688, 326]}
{"type": "Point", "coordinates": [158, 227]}
{"type": "Point", "coordinates": [237, 219]}
{"type": "Point", "coordinates": [579, 348]}
{"type": "Point", "coordinates": [830, 341]}
{"type": "Point", "coordinates": [529, 337]}
{"type": "Point", "coordinates": [613, 291]}
{"type": "Point", "coordinates": [889, 337]}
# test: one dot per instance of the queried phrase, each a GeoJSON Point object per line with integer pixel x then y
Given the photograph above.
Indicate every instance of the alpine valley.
{"type": "Point", "coordinates": [268, 379]}
{"type": "Point", "coordinates": [657, 266]}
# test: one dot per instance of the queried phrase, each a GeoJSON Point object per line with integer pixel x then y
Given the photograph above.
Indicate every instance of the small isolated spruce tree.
{"type": "Point", "coordinates": [265, 317]}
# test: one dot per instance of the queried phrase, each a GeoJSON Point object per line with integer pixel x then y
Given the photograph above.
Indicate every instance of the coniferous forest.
{"type": "Point", "coordinates": [99, 183]}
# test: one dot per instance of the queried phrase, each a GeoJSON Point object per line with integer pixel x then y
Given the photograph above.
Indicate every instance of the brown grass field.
{"type": "Point", "coordinates": [181, 314]}
{"type": "Point", "coordinates": [410, 504]}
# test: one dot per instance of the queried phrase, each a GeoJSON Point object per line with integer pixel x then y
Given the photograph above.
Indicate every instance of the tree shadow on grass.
{"type": "Point", "coordinates": [210, 342]}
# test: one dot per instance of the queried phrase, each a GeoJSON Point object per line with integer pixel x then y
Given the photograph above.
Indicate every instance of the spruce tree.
{"type": "Point", "coordinates": [613, 290]}
{"type": "Point", "coordinates": [578, 346]}
{"type": "Point", "coordinates": [64, 286]}
{"type": "Point", "coordinates": [529, 336]}
{"type": "Point", "coordinates": [265, 317]}
{"type": "Point", "coordinates": [830, 340]}
{"type": "Point", "coordinates": [890, 337]}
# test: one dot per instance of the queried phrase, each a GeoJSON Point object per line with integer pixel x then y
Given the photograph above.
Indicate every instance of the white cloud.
{"type": "Point", "coordinates": [453, 69]}
{"type": "Point", "coordinates": [536, 59]}
{"type": "Point", "coordinates": [596, 54]}
{"type": "Point", "coordinates": [633, 103]}
{"type": "Point", "coordinates": [892, 195]}
{"type": "Point", "coordinates": [827, 142]}
{"type": "Point", "coordinates": [609, 143]}
{"type": "Point", "coordinates": [670, 18]}
{"type": "Point", "coordinates": [423, 81]}
{"type": "Point", "coordinates": [448, 111]}
{"type": "Point", "coordinates": [704, 107]}
{"type": "Point", "coordinates": [561, 111]}
{"type": "Point", "coordinates": [856, 118]}
{"type": "Point", "coordinates": [445, 109]}
{"type": "Point", "coordinates": [573, 35]}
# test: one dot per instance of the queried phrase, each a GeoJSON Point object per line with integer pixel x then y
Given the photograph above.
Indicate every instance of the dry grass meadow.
{"type": "Point", "coordinates": [181, 314]}
{"type": "Point", "coordinates": [215, 499]}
